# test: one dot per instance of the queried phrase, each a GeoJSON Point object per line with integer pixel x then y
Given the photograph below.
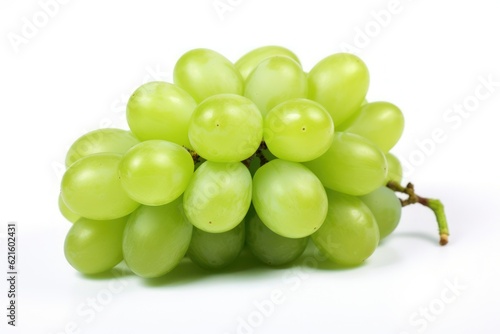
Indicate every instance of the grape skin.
{"type": "Point", "coordinates": [289, 198]}
{"type": "Point", "coordinates": [221, 117]}
{"type": "Point", "coordinates": [160, 110]}
{"type": "Point", "coordinates": [350, 233]}
{"type": "Point", "coordinates": [100, 141]}
{"type": "Point", "coordinates": [91, 188]}
{"type": "Point", "coordinates": [339, 82]}
{"type": "Point", "coordinates": [248, 62]}
{"type": "Point", "coordinates": [155, 172]}
{"type": "Point", "coordinates": [95, 246]}
{"type": "Point", "coordinates": [298, 130]}
{"type": "Point", "coordinates": [215, 251]}
{"type": "Point", "coordinates": [352, 165]}
{"type": "Point", "coordinates": [269, 247]}
{"type": "Point", "coordinates": [218, 196]}
{"type": "Point", "coordinates": [386, 207]}
{"type": "Point", "coordinates": [380, 122]}
{"type": "Point", "coordinates": [156, 239]}
{"type": "Point", "coordinates": [275, 80]}
{"type": "Point", "coordinates": [204, 73]}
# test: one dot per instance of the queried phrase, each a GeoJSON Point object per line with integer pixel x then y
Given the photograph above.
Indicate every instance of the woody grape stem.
{"type": "Point", "coordinates": [434, 204]}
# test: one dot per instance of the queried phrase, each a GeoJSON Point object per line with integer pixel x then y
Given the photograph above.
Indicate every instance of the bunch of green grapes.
{"type": "Point", "coordinates": [256, 153]}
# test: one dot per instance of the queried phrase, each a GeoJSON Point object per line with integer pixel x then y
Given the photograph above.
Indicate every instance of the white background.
{"type": "Point", "coordinates": [76, 71]}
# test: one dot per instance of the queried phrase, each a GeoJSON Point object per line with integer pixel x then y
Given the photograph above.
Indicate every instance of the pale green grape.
{"type": "Point", "coordinates": [298, 130]}
{"type": "Point", "coordinates": [216, 250]}
{"type": "Point", "coordinates": [226, 128]}
{"type": "Point", "coordinates": [350, 233]}
{"type": "Point", "coordinates": [394, 168]}
{"type": "Point", "coordinates": [156, 239]}
{"type": "Point", "coordinates": [248, 62]}
{"type": "Point", "coordinates": [91, 188]}
{"type": "Point", "coordinates": [275, 80]}
{"type": "Point", "coordinates": [289, 198]}
{"type": "Point", "coordinates": [339, 82]}
{"type": "Point", "coordinates": [352, 165]}
{"type": "Point", "coordinates": [218, 196]}
{"type": "Point", "coordinates": [100, 141]}
{"type": "Point", "coordinates": [380, 122]}
{"type": "Point", "coordinates": [66, 212]}
{"type": "Point", "coordinates": [269, 247]}
{"type": "Point", "coordinates": [386, 207]}
{"type": "Point", "coordinates": [160, 110]}
{"type": "Point", "coordinates": [203, 73]}
{"type": "Point", "coordinates": [156, 172]}
{"type": "Point", "coordinates": [95, 246]}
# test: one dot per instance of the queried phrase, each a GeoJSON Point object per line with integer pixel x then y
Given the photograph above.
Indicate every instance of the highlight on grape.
{"type": "Point", "coordinates": [256, 155]}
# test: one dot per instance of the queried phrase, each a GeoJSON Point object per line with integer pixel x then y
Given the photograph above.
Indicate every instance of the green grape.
{"type": "Point", "coordinates": [226, 128]}
{"type": "Point", "coordinates": [275, 80]}
{"type": "Point", "coordinates": [386, 207]}
{"type": "Point", "coordinates": [218, 196]}
{"type": "Point", "coordinates": [66, 212]}
{"type": "Point", "coordinates": [91, 188]}
{"type": "Point", "coordinates": [216, 250]}
{"type": "Point", "coordinates": [203, 73]}
{"type": "Point", "coordinates": [95, 246]}
{"type": "Point", "coordinates": [156, 239]}
{"type": "Point", "coordinates": [160, 110]}
{"type": "Point", "coordinates": [298, 130]}
{"type": "Point", "coordinates": [156, 172]}
{"type": "Point", "coordinates": [394, 168]}
{"type": "Point", "coordinates": [289, 198]}
{"type": "Point", "coordinates": [380, 122]}
{"type": "Point", "coordinates": [339, 82]}
{"type": "Point", "coordinates": [269, 247]}
{"type": "Point", "coordinates": [248, 62]}
{"type": "Point", "coordinates": [349, 234]}
{"type": "Point", "coordinates": [100, 141]}
{"type": "Point", "coordinates": [352, 165]}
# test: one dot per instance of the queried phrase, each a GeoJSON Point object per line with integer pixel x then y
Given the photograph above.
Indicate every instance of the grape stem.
{"type": "Point", "coordinates": [434, 204]}
{"type": "Point", "coordinates": [194, 155]}
{"type": "Point", "coordinates": [260, 154]}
